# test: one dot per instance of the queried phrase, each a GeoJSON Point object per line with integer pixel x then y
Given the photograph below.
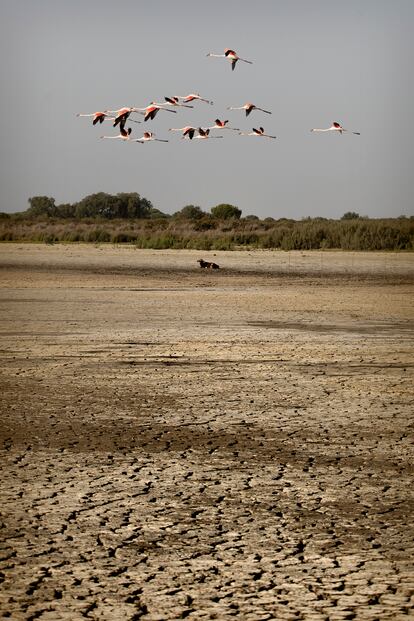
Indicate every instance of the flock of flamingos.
{"type": "Point", "coordinates": [121, 116]}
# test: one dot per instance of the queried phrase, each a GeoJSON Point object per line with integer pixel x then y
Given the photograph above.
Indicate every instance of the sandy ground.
{"type": "Point", "coordinates": [177, 442]}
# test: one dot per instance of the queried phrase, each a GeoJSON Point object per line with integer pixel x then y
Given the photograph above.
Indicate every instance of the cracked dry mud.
{"type": "Point", "coordinates": [178, 443]}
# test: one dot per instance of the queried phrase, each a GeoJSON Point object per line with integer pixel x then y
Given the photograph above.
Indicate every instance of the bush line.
{"type": "Point", "coordinates": [212, 234]}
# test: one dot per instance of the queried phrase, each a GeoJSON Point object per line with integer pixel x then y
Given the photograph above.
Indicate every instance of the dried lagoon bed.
{"type": "Point", "coordinates": [179, 442]}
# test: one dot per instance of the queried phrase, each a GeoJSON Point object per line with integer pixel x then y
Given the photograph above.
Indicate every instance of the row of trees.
{"type": "Point", "coordinates": [132, 206]}
{"type": "Point", "coordinates": [128, 205]}
{"type": "Point", "coordinates": [125, 205]}
{"type": "Point", "coordinates": [224, 211]}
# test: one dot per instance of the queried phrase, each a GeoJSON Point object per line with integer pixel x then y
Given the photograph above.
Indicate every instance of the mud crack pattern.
{"type": "Point", "coordinates": [236, 451]}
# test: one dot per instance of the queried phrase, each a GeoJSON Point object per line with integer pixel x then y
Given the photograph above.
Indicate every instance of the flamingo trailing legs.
{"type": "Point", "coordinates": [232, 56]}
{"type": "Point", "coordinates": [147, 137]}
{"type": "Point", "coordinates": [188, 131]}
{"type": "Point", "coordinates": [257, 132]}
{"type": "Point", "coordinates": [222, 125]}
{"type": "Point", "coordinates": [249, 107]}
{"type": "Point", "coordinates": [98, 117]}
{"type": "Point", "coordinates": [193, 97]}
{"type": "Point", "coordinates": [203, 134]}
{"type": "Point", "coordinates": [151, 111]}
{"type": "Point", "coordinates": [123, 135]}
{"type": "Point", "coordinates": [335, 127]}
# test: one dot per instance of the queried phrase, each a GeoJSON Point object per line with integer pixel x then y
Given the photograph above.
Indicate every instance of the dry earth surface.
{"type": "Point", "coordinates": [183, 443]}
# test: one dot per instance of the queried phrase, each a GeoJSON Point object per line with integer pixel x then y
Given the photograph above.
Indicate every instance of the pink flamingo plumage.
{"type": "Point", "coordinates": [192, 97]}
{"type": "Point", "coordinates": [147, 137]}
{"type": "Point", "coordinates": [174, 101]}
{"type": "Point", "coordinates": [152, 110]}
{"type": "Point", "coordinates": [257, 132]}
{"type": "Point", "coordinates": [335, 127]}
{"type": "Point", "coordinates": [222, 125]}
{"type": "Point", "coordinates": [123, 135]}
{"type": "Point", "coordinates": [249, 107]}
{"type": "Point", "coordinates": [122, 115]}
{"type": "Point", "coordinates": [187, 131]}
{"type": "Point", "coordinates": [98, 117]}
{"type": "Point", "coordinates": [232, 56]}
{"type": "Point", "coordinates": [203, 134]}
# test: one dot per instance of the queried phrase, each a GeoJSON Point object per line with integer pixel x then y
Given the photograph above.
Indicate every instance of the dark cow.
{"type": "Point", "coordinates": [209, 265]}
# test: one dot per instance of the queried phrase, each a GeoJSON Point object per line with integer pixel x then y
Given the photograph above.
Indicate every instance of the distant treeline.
{"type": "Point", "coordinates": [128, 218]}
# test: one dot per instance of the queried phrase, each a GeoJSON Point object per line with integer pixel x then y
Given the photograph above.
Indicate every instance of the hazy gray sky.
{"type": "Point", "coordinates": [315, 61]}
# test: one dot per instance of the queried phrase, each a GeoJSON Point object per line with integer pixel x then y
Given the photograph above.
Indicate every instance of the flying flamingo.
{"type": "Point", "coordinates": [147, 137]}
{"type": "Point", "coordinates": [192, 97]}
{"type": "Point", "coordinates": [123, 135]}
{"type": "Point", "coordinates": [249, 107]}
{"type": "Point", "coordinates": [173, 101]}
{"type": "Point", "coordinates": [188, 131]}
{"type": "Point", "coordinates": [335, 127]}
{"type": "Point", "coordinates": [151, 111]}
{"type": "Point", "coordinates": [222, 125]}
{"type": "Point", "coordinates": [232, 56]}
{"type": "Point", "coordinates": [203, 134]}
{"type": "Point", "coordinates": [257, 132]}
{"type": "Point", "coordinates": [122, 115]}
{"type": "Point", "coordinates": [98, 117]}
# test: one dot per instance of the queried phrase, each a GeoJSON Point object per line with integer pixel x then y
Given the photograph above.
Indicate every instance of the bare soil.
{"type": "Point", "coordinates": [185, 443]}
